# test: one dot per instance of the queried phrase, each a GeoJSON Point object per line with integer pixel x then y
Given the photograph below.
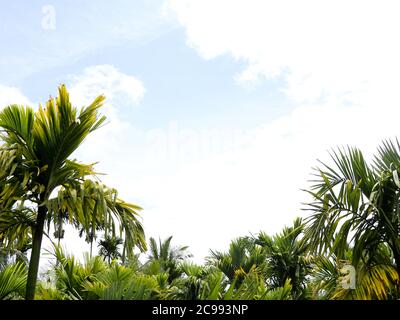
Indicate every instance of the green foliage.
{"type": "Point", "coordinates": [92, 207]}
{"type": "Point", "coordinates": [109, 248]}
{"type": "Point", "coordinates": [358, 204]}
{"type": "Point", "coordinates": [287, 258]}
{"type": "Point", "coordinates": [121, 283]}
{"type": "Point", "coordinates": [13, 281]}
{"type": "Point", "coordinates": [241, 258]}
{"type": "Point", "coordinates": [35, 163]}
{"type": "Point", "coordinates": [164, 257]}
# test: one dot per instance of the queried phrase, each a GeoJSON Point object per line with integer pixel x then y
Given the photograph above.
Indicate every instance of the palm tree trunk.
{"type": "Point", "coordinates": [35, 254]}
{"type": "Point", "coordinates": [60, 228]}
{"type": "Point", "coordinates": [91, 248]}
{"type": "Point", "coordinates": [58, 244]}
{"type": "Point", "coordinates": [124, 253]}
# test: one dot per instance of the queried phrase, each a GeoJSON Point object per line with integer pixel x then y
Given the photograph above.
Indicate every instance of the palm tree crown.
{"type": "Point", "coordinates": [357, 205]}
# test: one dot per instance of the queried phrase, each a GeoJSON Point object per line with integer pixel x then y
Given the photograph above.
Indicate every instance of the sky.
{"type": "Point", "coordinates": [217, 110]}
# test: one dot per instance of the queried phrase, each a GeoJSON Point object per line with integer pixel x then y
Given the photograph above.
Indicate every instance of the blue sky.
{"type": "Point", "coordinates": [180, 85]}
{"type": "Point", "coordinates": [217, 109]}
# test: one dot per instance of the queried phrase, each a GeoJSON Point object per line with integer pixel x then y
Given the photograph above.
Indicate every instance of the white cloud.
{"type": "Point", "coordinates": [322, 49]}
{"type": "Point", "coordinates": [12, 95]}
{"type": "Point", "coordinates": [123, 93]}
{"type": "Point", "coordinates": [108, 80]}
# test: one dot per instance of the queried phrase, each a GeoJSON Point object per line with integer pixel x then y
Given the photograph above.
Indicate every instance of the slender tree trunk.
{"type": "Point", "coordinates": [91, 248]}
{"type": "Point", "coordinates": [35, 254]}
{"type": "Point", "coordinates": [124, 253]}
{"type": "Point", "coordinates": [60, 229]}
{"type": "Point", "coordinates": [58, 244]}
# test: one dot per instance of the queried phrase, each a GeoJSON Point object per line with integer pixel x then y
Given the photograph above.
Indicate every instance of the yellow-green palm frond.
{"type": "Point", "coordinates": [49, 136]}
{"type": "Point", "coordinates": [92, 205]}
{"type": "Point", "coordinates": [373, 283]}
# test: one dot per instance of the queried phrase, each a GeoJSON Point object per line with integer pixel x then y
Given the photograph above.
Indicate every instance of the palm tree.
{"type": "Point", "coordinates": [166, 256]}
{"type": "Point", "coordinates": [69, 275]}
{"type": "Point", "coordinates": [242, 258]}
{"type": "Point", "coordinates": [254, 287]}
{"type": "Point", "coordinates": [89, 238]}
{"type": "Point", "coordinates": [358, 204]}
{"type": "Point", "coordinates": [40, 144]}
{"type": "Point", "coordinates": [374, 278]}
{"type": "Point", "coordinates": [109, 248]}
{"type": "Point", "coordinates": [16, 220]}
{"type": "Point", "coordinates": [197, 282]}
{"type": "Point", "coordinates": [94, 279]}
{"type": "Point", "coordinates": [122, 283]}
{"type": "Point", "coordinates": [287, 258]}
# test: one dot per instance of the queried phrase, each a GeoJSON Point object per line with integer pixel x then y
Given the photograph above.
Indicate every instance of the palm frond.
{"type": "Point", "coordinates": [13, 281]}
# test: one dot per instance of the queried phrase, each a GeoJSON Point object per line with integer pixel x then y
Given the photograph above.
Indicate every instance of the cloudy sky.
{"type": "Point", "coordinates": [217, 109]}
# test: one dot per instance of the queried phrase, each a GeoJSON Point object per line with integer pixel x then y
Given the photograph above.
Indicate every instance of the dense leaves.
{"type": "Point", "coordinates": [357, 205]}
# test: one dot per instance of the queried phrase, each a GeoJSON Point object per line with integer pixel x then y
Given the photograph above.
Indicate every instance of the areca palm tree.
{"type": "Point", "coordinates": [242, 258]}
{"type": "Point", "coordinates": [165, 251]}
{"type": "Point", "coordinates": [374, 278]}
{"type": "Point", "coordinates": [287, 258]}
{"type": "Point", "coordinates": [198, 283]}
{"type": "Point", "coordinates": [70, 275]}
{"type": "Point", "coordinates": [122, 283]}
{"type": "Point", "coordinates": [109, 248]}
{"type": "Point", "coordinates": [40, 144]}
{"type": "Point", "coordinates": [92, 207]}
{"type": "Point", "coordinates": [357, 203]}
{"type": "Point", "coordinates": [167, 257]}
{"type": "Point", "coordinates": [15, 219]}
